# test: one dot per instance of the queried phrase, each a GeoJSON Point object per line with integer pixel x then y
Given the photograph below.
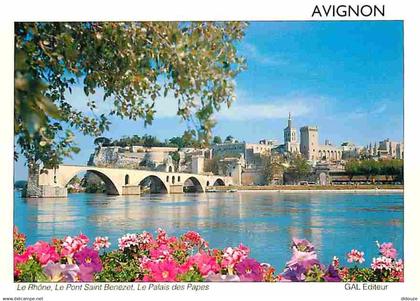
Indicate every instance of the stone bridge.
{"type": "Point", "coordinates": [119, 181]}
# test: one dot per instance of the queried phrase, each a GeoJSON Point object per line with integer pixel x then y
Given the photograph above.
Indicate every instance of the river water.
{"type": "Point", "coordinates": [264, 221]}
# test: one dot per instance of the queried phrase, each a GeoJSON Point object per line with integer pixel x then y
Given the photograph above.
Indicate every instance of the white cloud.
{"type": "Point", "coordinates": [272, 110]}
{"type": "Point", "coordinates": [244, 108]}
{"type": "Point", "coordinates": [248, 108]}
{"type": "Point", "coordinates": [165, 106]}
{"type": "Point", "coordinates": [378, 109]}
{"type": "Point", "coordinates": [251, 52]}
{"type": "Point", "coordinates": [79, 100]}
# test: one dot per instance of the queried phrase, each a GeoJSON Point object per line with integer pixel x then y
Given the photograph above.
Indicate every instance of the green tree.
{"type": "Point", "coordinates": [150, 141]}
{"type": "Point", "coordinates": [101, 141]}
{"type": "Point", "coordinates": [175, 158]}
{"type": "Point", "coordinates": [217, 140]}
{"type": "Point", "coordinates": [352, 168]}
{"type": "Point", "coordinates": [392, 168]}
{"type": "Point", "coordinates": [299, 169]}
{"type": "Point", "coordinates": [188, 139]}
{"type": "Point", "coordinates": [21, 184]}
{"type": "Point", "coordinates": [212, 165]}
{"type": "Point", "coordinates": [131, 62]}
{"type": "Point", "coordinates": [229, 138]}
{"type": "Point", "coordinates": [370, 168]}
{"type": "Point", "coordinates": [272, 167]}
{"type": "Point", "coordinates": [177, 141]}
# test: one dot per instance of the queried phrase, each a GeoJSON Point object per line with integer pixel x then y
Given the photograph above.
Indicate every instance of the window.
{"type": "Point", "coordinates": [127, 179]}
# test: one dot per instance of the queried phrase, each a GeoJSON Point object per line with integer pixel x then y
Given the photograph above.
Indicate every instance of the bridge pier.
{"type": "Point", "coordinates": [46, 191]}
{"type": "Point", "coordinates": [176, 189]}
{"type": "Point", "coordinates": [131, 190]}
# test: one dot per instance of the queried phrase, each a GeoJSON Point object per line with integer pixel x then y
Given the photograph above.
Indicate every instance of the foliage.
{"type": "Point", "coordinates": [299, 168]}
{"type": "Point", "coordinates": [212, 165]}
{"type": "Point", "coordinates": [163, 258]}
{"type": "Point", "coordinates": [175, 158]}
{"type": "Point", "coordinates": [102, 141]}
{"type": "Point", "coordinates": [230, 138]}
{"type": "Point", "coordinates": [19, 241]}
{"type": "Point", "coordinates": [217, 140]}
{"type": "Point", "coordinates": [31, 271]}
{"type": "Point", "coordinates": [272, 167]}
{"type": "Point", "coordinates": [352, 168]}
{"type": "Point", "coordinates": [216, 165]}
{"type": "Point", "coordinates": [20, 184]}
{"type": "Point", "coordinates": [188, 139]}
{"type": "Point", "coordinates": [372, 168]}
{"type": "Point", "coordinates": [93, 187]}
{"type": "Point", "coordinates": [132, 63]}
{"type": "Point", "coordinates": [118, 268]}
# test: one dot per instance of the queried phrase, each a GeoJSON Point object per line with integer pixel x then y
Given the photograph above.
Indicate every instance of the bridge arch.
{"type": "Point", "coordinates": [155, 184]}
{"type": "Point", "coordinates": [219, 182]}
{"type": "Point", "coordinates": [192, 184]}
{"type": "Point", "coordinates": [111, 187]}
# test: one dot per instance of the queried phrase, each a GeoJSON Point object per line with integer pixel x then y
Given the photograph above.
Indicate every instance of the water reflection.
{"type": "Point", "coordinates": [266, 221]}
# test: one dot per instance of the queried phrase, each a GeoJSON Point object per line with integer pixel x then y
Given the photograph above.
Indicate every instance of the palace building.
{"type": "Point", "coordinates": [309, 146]}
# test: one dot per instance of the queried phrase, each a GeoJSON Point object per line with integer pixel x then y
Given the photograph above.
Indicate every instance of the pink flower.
{"type": "Point", "coordinates": [161, 252]}
{"type": "Point", "coordinates": [43, 252]}
{"type": "Point", "coordinates": [399, 265]}
{"type": "Point", "coordinates": [302, 245]}
{"type": "Point", "coordinates": [101, 242]}
{"type": "Point", "coordinates": [335, 262]}
{"type": "Point", "coordinates": [127, 241]}
{"type": "Point", "coordinates": [86, 273]}
{"type": "Point", "coordinates": [388, 250]}
{"type": "Point", "coordinates": [232, 256]}
{"type": "Point", "coordinates": [74, 244]}
{"type": "Point", "coordinates": [162, 271]}
{"type": "Point", "coordinates": [382, 263]}
{"type": "Point", "coordinates": [304, 259]}
{"type": "Point", "coordinates": [205, 263]}
{"type": "Point", "coordinates": [90, 258]}
{"type": "Point", "coordinates": [398, 270]}
{"type": "Point", "coordinates": [162, 237]}
{"type": "Point", "coordinates": [145, 238]}
{"type": "Point", "coordinates": [249, 270]}
{"type": "Point", "coordinates": [57, 272]}
{"type": "Point", "coordinates": [356, 256]}
{"type": "Point", "coordinates": [18, 259]}
{"type": "Point", "coordinates": [194, 239]}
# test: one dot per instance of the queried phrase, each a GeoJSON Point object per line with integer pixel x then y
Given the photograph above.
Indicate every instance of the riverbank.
{"type": "Point", "coordinates": [310, 188]}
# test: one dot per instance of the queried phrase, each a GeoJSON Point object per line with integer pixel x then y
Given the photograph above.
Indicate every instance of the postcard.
{"type": "Point", "coordinates": [196, 157]}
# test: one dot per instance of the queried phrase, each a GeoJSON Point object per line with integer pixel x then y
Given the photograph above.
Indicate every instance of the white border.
{"type": "Point", "coordinates": [78, 10]}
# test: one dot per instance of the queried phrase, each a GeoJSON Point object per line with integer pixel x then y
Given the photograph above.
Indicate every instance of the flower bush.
{"type": "Point", "coordinates": [143, 257]}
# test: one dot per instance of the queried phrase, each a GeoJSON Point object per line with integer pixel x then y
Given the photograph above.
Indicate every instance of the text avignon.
{"type": "Point", "coordinates": [348, 11]}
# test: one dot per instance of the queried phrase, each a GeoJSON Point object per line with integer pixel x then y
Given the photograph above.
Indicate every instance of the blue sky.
{"type": "Point", "coordinates": [344, 77]}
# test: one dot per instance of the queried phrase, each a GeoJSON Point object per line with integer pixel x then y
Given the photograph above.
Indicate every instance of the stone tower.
{"type": "Point", "coordinates": [290, 137]}
{"type": "Point", "coordinates": [290, 134]}
{"type": "Point", "coordinates": [309, 142]}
